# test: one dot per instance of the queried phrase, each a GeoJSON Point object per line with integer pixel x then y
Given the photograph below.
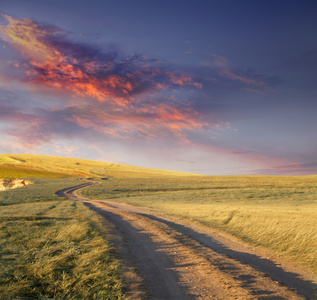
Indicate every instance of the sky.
{"type": "Point", "coordinates": [208, 87]}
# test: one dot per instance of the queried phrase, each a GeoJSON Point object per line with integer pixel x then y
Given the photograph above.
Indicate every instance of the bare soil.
{"type": "Point", "coordinates": [169, 258]}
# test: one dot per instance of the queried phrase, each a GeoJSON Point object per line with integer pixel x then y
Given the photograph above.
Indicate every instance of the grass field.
{"type": "Point", "coordinates": [52, 248]}
{"type": "Point", "coordinates": [275, 212]}
{"type": "Point", "coordinates": [42, 166]}
{"type": "Point", "coordinates": [42, 190]}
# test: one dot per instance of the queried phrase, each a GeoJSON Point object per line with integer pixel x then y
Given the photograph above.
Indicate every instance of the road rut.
{"type": "Point", "coordinates": [176, 259]}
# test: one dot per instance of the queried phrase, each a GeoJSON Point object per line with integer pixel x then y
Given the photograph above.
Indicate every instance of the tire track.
{"type": "Point", "coordinates": [179, 260]}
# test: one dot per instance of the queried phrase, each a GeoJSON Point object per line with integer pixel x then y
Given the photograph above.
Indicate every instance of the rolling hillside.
{"type": "Point", "coordinates": [276, 214]}
{"type": "Point", "coordinates": [42, 166]}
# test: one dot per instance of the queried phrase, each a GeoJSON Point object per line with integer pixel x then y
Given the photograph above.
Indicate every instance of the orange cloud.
{"type": "Point", "coordinates": [65, 66]}
{"type": "Point", "coordinates": [26, 35]}
{"type": "Point", "coordinates": [146, 121]}
{"type": "Point", "coordinates": [182, 79]}
{"type": "Point", "coordinates": [30, 131]}
{"type": "Point", "coordinates": [126, 97]}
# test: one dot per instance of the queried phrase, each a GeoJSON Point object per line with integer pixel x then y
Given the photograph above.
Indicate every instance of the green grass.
{"type": "Point", "coordinates": [54, 248]}
{"type": "Point", "coordinates": [275, 212]}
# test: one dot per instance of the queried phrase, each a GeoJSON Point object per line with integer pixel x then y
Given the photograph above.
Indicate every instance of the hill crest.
{"type": "Point", "coordinates": [33, 165]}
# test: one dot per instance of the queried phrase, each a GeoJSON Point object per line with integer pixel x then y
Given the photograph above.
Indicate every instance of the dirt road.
{"type": "Point", "coordinates": [169, 258]}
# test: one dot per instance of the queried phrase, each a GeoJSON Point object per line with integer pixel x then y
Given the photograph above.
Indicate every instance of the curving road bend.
{"type": "Point", "coordinates": [169, 258]}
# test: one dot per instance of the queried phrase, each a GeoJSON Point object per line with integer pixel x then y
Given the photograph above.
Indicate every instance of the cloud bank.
{"type": "Point", "coordinates": [117, 95]}
{"type": "Point", "coordinates": [84, 92]}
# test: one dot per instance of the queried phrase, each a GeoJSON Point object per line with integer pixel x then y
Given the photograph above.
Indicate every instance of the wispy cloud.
{"type": "Point", "coordinates": [27, 129]}
{"type": "Point", "coordinates": [291, 169]}
{"type": "Point", "coordinates": [121, 96]}
{"type": "Point", "coordinates": [250, 81]}
{"type": "Point", "coordinates": [59, 63]}
{"type": "Point", "coordinates": [145, 121]}
{"type": "Point", "coordinates": [111, 95]}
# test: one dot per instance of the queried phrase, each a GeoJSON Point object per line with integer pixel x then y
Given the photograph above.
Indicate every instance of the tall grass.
{"type": "Point", "coordinates": [276, 212]}
{"type": "Point", "coordinates": [55, 250]}
{"type": "Point", "coordinates": [43, 189]}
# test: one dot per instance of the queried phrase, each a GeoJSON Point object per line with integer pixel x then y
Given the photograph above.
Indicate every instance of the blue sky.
{"type": "Point", "coordinates": [211, 87]}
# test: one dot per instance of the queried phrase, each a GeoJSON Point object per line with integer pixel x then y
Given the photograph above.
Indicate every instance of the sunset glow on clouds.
{"type": "Point", "coordinates": [56, 62]}
{"type": "Point", "coordinates": [127, 85]}
{"type": "Point", "coordinates": [224, 70]}
{"type": "Point", "coordinates": [157, 95]}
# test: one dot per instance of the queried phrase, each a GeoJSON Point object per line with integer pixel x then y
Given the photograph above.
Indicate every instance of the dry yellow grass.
{"type": "Point", "coordinates": [290, 231]}
{"type": "Point", "coordinates": [55, 250]}
{"type": "Point", "coordinates": [30, 165]}
{"type": "Point", "coordinates": [275, 212]}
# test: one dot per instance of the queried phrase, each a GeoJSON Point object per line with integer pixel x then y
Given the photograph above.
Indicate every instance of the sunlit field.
{"type": "Point", "coordinates": [51, 248]}
{"type": "Point", "coordinates": [42, 166]}
{"type": "Point", "coordinates": [42, 190]}
{"type": "Point", "coordinates": [278, 213]}
{"type": "Point", "coordinates": [275, 212]}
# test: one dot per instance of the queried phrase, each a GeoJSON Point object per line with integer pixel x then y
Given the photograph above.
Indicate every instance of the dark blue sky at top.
{"type": "Point", "coordinates": [162, 27]}
{"type": "Point", "coordinates": [273, 42]}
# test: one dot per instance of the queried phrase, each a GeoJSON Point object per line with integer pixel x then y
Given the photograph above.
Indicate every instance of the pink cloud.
{"type": "Point", "coordinates": [125, 94]}
{"type": "Point", "coordinates": [122, 94]}
{"type": "Point", "coordinates": [60, 64]}
{"type": "Point", "coordinates": [146, 121]}
{"type": "Point", "coordinates": [225, 70]}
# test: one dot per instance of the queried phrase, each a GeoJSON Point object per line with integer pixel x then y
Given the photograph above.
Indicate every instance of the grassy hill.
{"type": "Point", "coordinates": [278, 213]}
{"type": "Point", "coordinates": [43, 166]}
{"type": "Point", "coordinates": [50, 247]}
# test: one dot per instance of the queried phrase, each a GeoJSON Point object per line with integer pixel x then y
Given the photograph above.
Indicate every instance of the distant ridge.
{"type": "Point", "coordinates": [32, 165]}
